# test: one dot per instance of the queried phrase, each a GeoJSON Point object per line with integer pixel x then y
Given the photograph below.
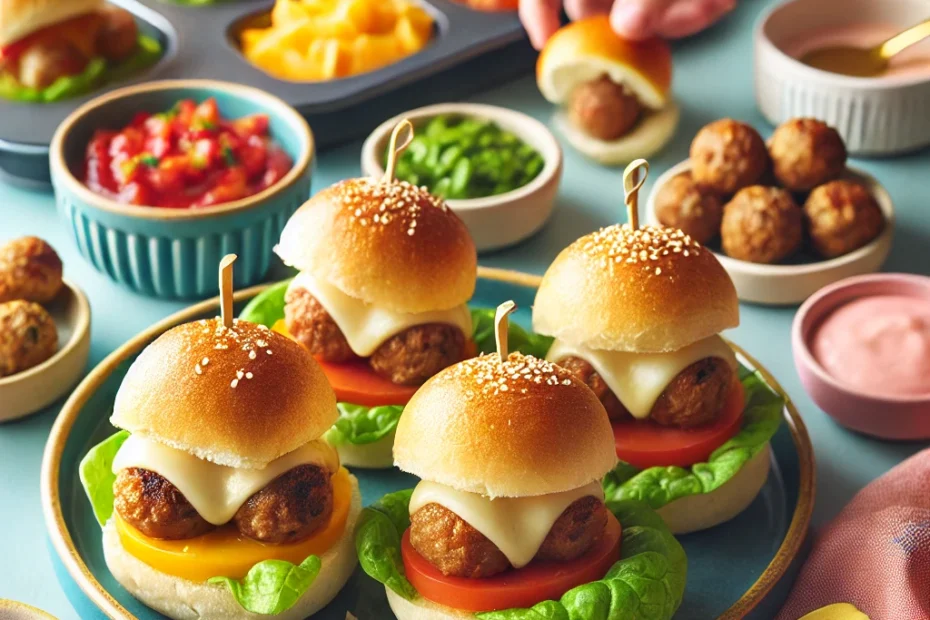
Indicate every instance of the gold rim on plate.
{"type": "Point", "coordinates": [78, 570]}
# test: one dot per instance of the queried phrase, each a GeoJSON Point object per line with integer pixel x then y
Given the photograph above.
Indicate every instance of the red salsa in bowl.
{"type": "Point", "coordinates": [186, 157]}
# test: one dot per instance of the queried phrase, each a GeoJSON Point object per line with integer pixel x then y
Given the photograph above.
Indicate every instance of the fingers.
{"type": "Point", "coordinates": [682, 19]}
{"type": "Point", "coordinates": [637, 19]}
{"type": "Point", "coordinates": [541, 19]}
{"type": "Point", "coordinates": [579, 9]}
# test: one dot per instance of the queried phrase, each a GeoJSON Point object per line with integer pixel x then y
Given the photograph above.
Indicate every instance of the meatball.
{"type": "Point", "coordinates": [761, 225]}
{"type": "Point", "coordinates": [119, 34]}
{"type": "Point", "coordinates": [728, 155]}
{"type": "Point", "coordinates": [681, 203]}
{"type": "Point", "coordinates": [30, 269]}
{"type": "Point", "coordinates": [416, 354]}
{"type": "Point", "coordinates": [155, 507]}
{"type": "Point", "coordinates": [456, 548]}
{"type": "Point", "coordinates": [310, 325]}
{"type": "Point", "coordinates": [28, 336]}
{"type": "Point", "coordinates": [585, 373]}
{"type": "Point", "coordinates": [290, 508]}
{"type": "Point", "coordinates": [806, 153]}
{"type": "Point", "coordinates": [696, 396]}
{"type": "Point", "coordinates": [841, 217]}
{"type": "Point", "coordinates": [603, 109]}
{"type": "Point", "coordinates": [41, 64]}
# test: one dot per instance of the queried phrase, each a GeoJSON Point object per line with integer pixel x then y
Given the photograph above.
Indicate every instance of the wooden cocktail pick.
{"type": "Point", "coordinates": [501, 324]}
{"type": "Point", "coordinates": [226, 289]}
{"type": "Point", "coordinates": [397, 147]}
{"type": "Point", "coordinates": [632, 182]}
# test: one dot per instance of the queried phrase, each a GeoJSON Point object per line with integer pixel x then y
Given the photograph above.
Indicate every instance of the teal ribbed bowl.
{"type": "Point", "coordinates": [174, 253]}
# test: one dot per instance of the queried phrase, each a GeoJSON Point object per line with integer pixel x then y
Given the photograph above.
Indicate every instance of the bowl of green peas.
{"type": "Point", "coordinates": [498, 169]}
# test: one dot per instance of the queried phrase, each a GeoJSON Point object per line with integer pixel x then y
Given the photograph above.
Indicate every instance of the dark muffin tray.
{"type": "Point", "coordinates": [201, 42]}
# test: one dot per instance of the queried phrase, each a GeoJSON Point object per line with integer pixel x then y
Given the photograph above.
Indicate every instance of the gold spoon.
{"type": "Point", "coordinates": [865, 62]}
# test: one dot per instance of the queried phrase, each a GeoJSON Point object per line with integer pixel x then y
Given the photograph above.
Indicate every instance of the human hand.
{"type": "Point", "coordinates": [633, 19]}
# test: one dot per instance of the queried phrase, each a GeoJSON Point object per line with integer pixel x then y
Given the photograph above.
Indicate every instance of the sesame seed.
{"type": "Point", "coordinates": [268, 351]}
{"type": "Point", "coordinates": [249, 375]}
{"type": "Point", "coordinates": [239, 374]}
{"type": "Point", "coordinates": [205, 361]}
{"type": "Point", "coordinates": [512, 375]}
{"type": "Point", "coordinates": [198, 369]}
{"type": "Point", "coordinates": [658, 271]}
{"type": "Point", "coordinates": [252, 355]}
{"type": "Point", "coordinates": [234, 383]}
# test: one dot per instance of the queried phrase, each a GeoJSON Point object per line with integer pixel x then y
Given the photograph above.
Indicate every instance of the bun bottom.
{"type": "Point", "coordinates": [182, 599]}
{"type": "Point", "coordinates": [422, 609]}
{"type": "Point", "coordinates": [649, 135]}
{"type": "Point", "coordinates": [375, 455]}
{"type": "Point", "coordinates": [699, 512]}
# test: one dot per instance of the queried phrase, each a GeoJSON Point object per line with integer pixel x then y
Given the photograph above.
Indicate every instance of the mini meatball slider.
{"type": "Point", "coordinates": [615, 92]}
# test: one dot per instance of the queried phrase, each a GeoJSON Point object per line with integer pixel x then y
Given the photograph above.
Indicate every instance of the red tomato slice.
{"type": "Point", "coordinates": [355, 382]}
{"type": "Point", "coordinates": [524, 587]}
{"type": "Point", "coordinates": [647, 444]}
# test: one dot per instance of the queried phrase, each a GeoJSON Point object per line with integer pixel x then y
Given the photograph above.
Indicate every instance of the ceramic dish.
{"type": "Point", "coordinates": [743, 569]}
{"type": "Point", "coordinates": [496, 221]}
{"type": "Point", "coordinates": [173, 253]}
{"type": "Point", "coordinates": [14, 610]}
{"type": "Point", "coordinates": [788, 284]}
{"type": "Point", "coordinates": [34, 389]}
{"type": "Point", "coordinates": [885, 417]}
{"type": "Point", "coordinates": [879, 116]}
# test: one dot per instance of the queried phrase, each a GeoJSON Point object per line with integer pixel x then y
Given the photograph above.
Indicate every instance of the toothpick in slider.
{"type": "Point", "coordinates": [632, 182]}
{"type": "Point", "coordinates": [397, 147]}
{"type": "Point", "coordinates": [226, 289]}
{"type": "Point", "coordinates": [501, 324]}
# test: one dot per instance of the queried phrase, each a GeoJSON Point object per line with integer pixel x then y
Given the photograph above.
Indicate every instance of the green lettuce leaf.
{"type": "Point", "coordinates": [273, 586]}
{"type": "Point", "coordinates": [96, 72]}
{"type": "Point", "coordinates": [360, 425]}
{"type": "Point", "coordinates": [96, 473]}
{"type": "Point", "coordinates": [518, 339]}
{"type": "Point", "coordinates": [647, 583]}
{"type": "Point", "coordinates": [267, 308]}
{"type": "Point", "coordinates": [657, 486]}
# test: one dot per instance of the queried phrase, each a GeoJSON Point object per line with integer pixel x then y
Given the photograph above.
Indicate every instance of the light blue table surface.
{"type": "Point", "coordinates": [713, 78]}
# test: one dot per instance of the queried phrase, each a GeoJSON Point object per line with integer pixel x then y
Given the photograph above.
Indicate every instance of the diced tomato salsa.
{"type": "Point", "coordinates": [187, 157]}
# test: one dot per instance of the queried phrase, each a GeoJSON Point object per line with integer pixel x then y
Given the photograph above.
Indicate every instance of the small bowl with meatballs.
{"type": "Point", "coordinates": [44, 328]}
{"type": "Point", "coordinates": [785, 217]}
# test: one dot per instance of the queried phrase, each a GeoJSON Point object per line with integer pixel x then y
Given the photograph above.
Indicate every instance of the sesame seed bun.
{"type": "Point", "coordinates": [646, 290]}
{"type": "Point", "coordinates": [20, 18]}
{"type": "Point", "coordinates": [588, 48]}
{"type": "Point", "coordinates": [393, 245]}
{"type": "Point", "coordinates": [239, 397]}
{"type": "Point", "coordinates": [520, 428]}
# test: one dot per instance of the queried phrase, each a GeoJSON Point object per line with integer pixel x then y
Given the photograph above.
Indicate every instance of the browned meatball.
{"type": "Point", "coordinates": [577, 528]}
{"type": "Point", "coordinates": [416, 354]}
{"type": "Point", "coordinates": [586, 373]}
{"type": "Point", "coordinates": [310, 325]}
{"type": "Point", "coordinates": [43, 63]}
{"type": "Point", "coordinates": [156, 507]}
{"type": "Point", "coordinates": [290, 508]}
{"type": "Point", "coordinates": [28, 336]}
{"type": "Point", "coordinates": [119, 34]}
{"type": "Point", "coordinates": [728, 155]}
{"type": "Point", "coordinates": [682, 203]}
{"type": "Point", "coordinates": [842, 216]}
{"type": "Point", "coordinates": [761, 225]}
{"type": "Point", "coordinates": [806, 153]}
{"type": "Point", "coordinates": [30, 269]}
{"type": "Point", "coordinates": [603, 109]}
{"type": "Point", "coordinates": [696, 396]}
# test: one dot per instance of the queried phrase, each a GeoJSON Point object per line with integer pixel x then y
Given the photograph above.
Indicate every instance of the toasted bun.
{"type": "Point", "coordinates": [423, 609]}
{"type": "Point", "coordinates": [519, 428]}
{"type": "Point", "coordinates": [216, 414]}
{"type": "Point", "coordinates": [588, 48]}
{"type": "Point", "coordinates": [375, 455]}
{"type": "Point", "coordinates": [699, 512]}
{"type": "Point", "coordinates": [20, 18]}
{"type": "Point", "coordinates": [646, 138]}
{"type": "Point", "coordinates": [182, 599]}
{"type": "Point", "coordinates": [649, 290]}
{"type": "Point", "coordinates": [393, 245]}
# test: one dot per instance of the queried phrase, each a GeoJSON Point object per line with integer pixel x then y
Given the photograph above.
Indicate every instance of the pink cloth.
{"type": "Point", "coordinates": [876, 553]}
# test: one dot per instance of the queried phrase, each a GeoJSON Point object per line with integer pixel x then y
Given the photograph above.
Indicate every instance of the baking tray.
{"type": "Point", "coordinates": [201, 42]}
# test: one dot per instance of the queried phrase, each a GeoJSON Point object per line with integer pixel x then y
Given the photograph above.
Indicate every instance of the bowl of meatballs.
{"type": "Point", "coordinates": [785, 217]}
{"type": "Point", "coordinates": [44, 328]}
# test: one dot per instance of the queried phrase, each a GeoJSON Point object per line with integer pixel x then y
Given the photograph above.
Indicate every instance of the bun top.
{"type": "Point", "coordinates": [20, 18]}
{"type": "Point", "coordinates": [239, 397]}
{"type": "Point", "coordinates": [390, 244]}
{"type": "Point", "coordinates": [646, 290]}
{"type": "Point", "coordinates": [518, 428]}
{"type": "Point", "coordinates": [586, 49]}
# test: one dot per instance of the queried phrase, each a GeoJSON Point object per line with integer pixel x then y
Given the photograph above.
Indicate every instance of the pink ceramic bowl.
{"type": "Point", "coordinates": [886, 417]}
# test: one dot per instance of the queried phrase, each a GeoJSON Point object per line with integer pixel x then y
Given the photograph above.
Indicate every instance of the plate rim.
{"type": "Point", "coordinates": [63, 544]}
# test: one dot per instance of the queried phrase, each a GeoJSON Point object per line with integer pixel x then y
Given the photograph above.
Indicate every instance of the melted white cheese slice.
{"type": "Point", "coordinates": [216, 491]}
{"type": "Point", "coordinates": [367, 327]}
{"type": "Point", "coordinates": [638, 379]}
{"type": "Point", "coordinates": [516, 525]}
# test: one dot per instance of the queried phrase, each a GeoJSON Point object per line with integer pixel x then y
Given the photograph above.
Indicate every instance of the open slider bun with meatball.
{"type": "Point", "coordinates": [219, 500]}
{"type": "Point", "coordinates": [636, 313]}
{"type": "Point", "coordinates": [615, 93]}
{"type": "Point", "coordinates": [510, 511]}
